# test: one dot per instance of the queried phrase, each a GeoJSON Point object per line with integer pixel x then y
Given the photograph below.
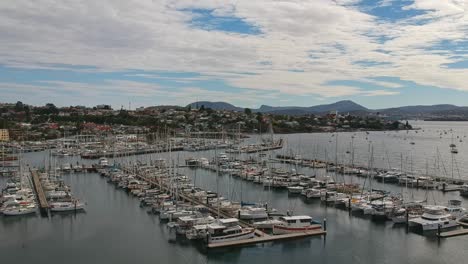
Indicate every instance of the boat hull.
{"type": "Point", "coordinates": [280, 229]}
{"type": "Point", "coordinates": [248, 234]}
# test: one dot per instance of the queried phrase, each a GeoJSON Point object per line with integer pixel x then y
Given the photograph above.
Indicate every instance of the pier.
{"type": "Point", "coordinates": [41, 197]}
{"type": "Point", "coordinates": [268, 238]}
{"type": "Point", "coordinates": [113, 154]}
{"type": "Point", "coordinates": [452, 184]}
{"type": "Point", "coordinates": [453, 233]}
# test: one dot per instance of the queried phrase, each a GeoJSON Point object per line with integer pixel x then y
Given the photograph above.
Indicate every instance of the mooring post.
{"type": "Point", "coordinates": [349, 205]}
{"type": "Point", "coordinates": [324, 224]}
{"type": "Point", "coordinates": [407, 221]}
{"type": "Point", "coordinates": [438, 231]}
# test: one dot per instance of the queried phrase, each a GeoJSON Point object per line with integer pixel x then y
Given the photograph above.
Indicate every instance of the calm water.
{"type": "Point", "coordinates": [115, 229]}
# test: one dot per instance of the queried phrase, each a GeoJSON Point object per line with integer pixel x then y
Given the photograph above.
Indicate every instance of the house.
{"type": "Point", "coordinates": [4, 135]}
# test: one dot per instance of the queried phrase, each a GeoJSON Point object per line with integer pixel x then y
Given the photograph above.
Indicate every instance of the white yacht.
{"type": "Point", "coordinates": [20, 210]}
{"type": "Point", "coordinates": [66, 206]}
{"type": "Point", "coordinates": [267, 224]}
{"type": "Point", "coordinates": [314, 193]}
{"type": "Point", "coordinates": [295, 189]}
{"type": "Point", "coordinates": [252, 213]}
{"type": "Point", "coordinates": [432, 217]}
{"type": "Point", "coordinates": [103, 162]}
{"type": "Point", "coordinates": [185, 223]}
{"type": "Point", "coordinates": [294, 224]}
{"type": "Point", "coordinates": [226, 230]}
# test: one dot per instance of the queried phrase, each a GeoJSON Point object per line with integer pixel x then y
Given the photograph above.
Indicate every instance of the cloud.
{"type": "Point", "coordinates": [307, 44]}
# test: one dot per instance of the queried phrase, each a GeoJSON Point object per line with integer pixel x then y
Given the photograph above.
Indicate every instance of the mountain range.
{"type": "Point", "coordinates": [348, 106]}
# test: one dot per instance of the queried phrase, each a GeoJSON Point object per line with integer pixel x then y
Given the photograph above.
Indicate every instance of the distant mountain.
{"type": "Point", "coordinates": [341, 106]}
{"type": "Point", "coordinates": [215, 106]}
{"type": "Point", "coordinates": [348, 106]}
{"type": "Point", "coordinates": [420, 109]}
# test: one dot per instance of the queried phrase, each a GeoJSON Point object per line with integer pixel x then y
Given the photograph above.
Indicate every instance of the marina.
{"type": "Point", "coordinates": [341, 220]}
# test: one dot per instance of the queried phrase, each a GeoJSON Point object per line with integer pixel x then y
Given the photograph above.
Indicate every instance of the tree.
{"type": "Point", "coordinates": [202, 108]}
{"type": "Point", "coordinates": [247, 111]}
{"type": "Point", "coordinates": [19, 106]}
{"type": "Point", "coordinates": [51, 108]}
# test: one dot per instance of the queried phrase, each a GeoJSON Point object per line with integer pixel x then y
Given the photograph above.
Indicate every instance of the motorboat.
{"type": "Point", "coordinates": [464, 190]}
{"type": "Point", "coordinates": [294, 224]}
{"type": "Point", "coordinates": [20, 210]}
{"type": "Point", "coordinates": [252, 213]}
{"type": "Point", "coordinates": [227, 230]}
{"type": "Point", "coordinates": [267, 224]}
{"type": "Point", "coordinates": [314, 193]}
{"type": "Point", "coordinates": [295, 189]}
{"type": "Point", "coordinates": [103, 162]}
{"type": "Point", "coordinates": [66, 206]}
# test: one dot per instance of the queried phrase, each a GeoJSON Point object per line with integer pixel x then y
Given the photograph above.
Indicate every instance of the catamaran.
{"type": "Point", "coordinates": [433, 217]}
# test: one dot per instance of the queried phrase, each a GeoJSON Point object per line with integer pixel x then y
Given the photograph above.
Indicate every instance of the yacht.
{"type": "Point", "coordinates": [103, 162]}
{"type": "Point", "coordinates": [294, 224]}
{"type": "Point", "coordinates": [455, 209]}
{"type": "Point", "coordinates": [252, 213]}
{"type": "Point", "coordinates": [20, 210]}
{"type": "Point", "coordinates": [295, 189]}
{"type": "Point", "coordinates": [314, 193]}
{"type": "Point", "coordinates": [185, 223]}
{"type": "Point", "coordinates": [433, 217]}
{"type": "Point", "coordinates": [197, 232]}
{"type": "Point", "coordinates": [66, 206]}
{"type": "Point", "coordinates": [267, 224]}
{"type": "Point", "coordinates": [227, 230]}
{"type": "Point", "coordinates": [464, 190]}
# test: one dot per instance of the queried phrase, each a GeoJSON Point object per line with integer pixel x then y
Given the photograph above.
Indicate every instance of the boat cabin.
{"type": "Point", "coordinates": [298, 220]}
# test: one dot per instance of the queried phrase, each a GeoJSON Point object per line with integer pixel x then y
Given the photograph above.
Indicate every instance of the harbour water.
{"type": "Point", "coordinates": [114, 229]}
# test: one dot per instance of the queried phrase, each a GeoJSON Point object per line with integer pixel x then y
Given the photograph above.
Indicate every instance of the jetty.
{"type": "Point", "coordinates": [453, 233]}
{"type": "Point", "coordinates": [41, 197]}
{"type": "Point", "coordinates": [268, 238]}
{"type": "Point", "coordinates": [124, 153]}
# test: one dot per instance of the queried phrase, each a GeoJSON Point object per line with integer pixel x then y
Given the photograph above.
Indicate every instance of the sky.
{"type": "Point", "coordinates": [132, 53]}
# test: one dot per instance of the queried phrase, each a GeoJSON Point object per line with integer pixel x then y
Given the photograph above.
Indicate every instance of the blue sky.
{"type": "Point", "coordinates": [377, 53]}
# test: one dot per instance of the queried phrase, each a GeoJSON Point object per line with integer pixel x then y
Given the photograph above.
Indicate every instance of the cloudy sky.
{"type": "Point", "coordinates": [379, 53]}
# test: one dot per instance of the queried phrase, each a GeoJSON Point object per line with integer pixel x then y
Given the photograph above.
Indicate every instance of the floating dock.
{"type": "Point", "coordinates": [267, 238]}
{"type": "Point", "coordinates": [125, 153]}
{"type": "Point", "coordinates": [41, 197]}
{"type": "Point", "coordinates": [454, 233]}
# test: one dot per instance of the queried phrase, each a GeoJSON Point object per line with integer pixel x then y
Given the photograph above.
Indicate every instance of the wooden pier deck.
{"type": "Point", "coordinates": [453, 233]}
{"type": "Point", "coordinates": [267, 238]}
{"type": "Point", "coordinates": [41, 197]}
